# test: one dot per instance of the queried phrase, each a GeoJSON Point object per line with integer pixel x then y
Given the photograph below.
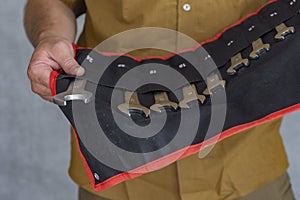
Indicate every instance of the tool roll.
{"type": "Point", "coordinates": [258, 80]}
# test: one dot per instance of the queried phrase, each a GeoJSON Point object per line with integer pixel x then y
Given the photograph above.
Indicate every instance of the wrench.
{"type": "Point", "coordinates": [190, 94]}
{"type": "Point", "coordinates": [132, 103]}
{"type": "Point", "coordinates": [75, 91]}
{"type": "Point", "coordinates": [162, 100]}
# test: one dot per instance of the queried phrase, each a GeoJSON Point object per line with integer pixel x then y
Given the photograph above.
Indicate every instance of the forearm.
{"type": "Point", "coordinates": [49, 18]}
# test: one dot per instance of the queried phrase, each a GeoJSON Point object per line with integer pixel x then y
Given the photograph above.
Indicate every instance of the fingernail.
{"type": "Point", "coordinates": [79, 71]}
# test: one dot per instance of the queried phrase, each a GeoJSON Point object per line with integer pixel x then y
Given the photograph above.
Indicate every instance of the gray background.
{"type": "Point", "coordinates": [34, 135]}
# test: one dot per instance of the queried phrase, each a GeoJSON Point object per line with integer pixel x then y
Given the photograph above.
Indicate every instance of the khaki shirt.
{"type": "Point", "coordinates": [236, 166]}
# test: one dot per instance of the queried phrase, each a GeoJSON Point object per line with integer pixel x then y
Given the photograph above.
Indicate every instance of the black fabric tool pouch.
{"type": "Point", "coordinates": [132, 116]}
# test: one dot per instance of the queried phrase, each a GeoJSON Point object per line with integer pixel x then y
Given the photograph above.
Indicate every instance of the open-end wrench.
{"type": "Point", "coordinates": [258, 48]}
{"type": "Point", "coordinates": [237, 62]}
{"type": "Point", "coordinates": [213, 82]}
{"type": "Point", "coordinates": [190, 94]}
{"type": "Point", "coordinates": [283, 31]}
{"type": "Point", "coordinates": [161, 101]}
{"type": "Point", "coordinates": [75, 91]}
{"type": "Point", "coordinates": [132, 103]}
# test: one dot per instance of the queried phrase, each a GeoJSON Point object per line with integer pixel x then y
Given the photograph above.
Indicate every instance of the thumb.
{"type": "Point", "coordinates": [65, 58]}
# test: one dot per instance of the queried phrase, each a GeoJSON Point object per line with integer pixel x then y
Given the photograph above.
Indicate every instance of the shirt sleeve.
{"type": "Point", "coordinates": [78, 6]}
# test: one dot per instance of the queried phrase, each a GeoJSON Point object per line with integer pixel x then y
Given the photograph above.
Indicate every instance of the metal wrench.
{"type": "Point", "coordinates": [190, 94]}
{"type": "Point", "coordinates": [162, 100]}
{"type": "Point", "coordinates": [75, 91]}
{"type": "Point", "coordinates": [132, 103]}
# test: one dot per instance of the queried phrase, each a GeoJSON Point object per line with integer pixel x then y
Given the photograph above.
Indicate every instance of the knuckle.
{"type": "Point", "coordinates": [35, 89]}
{"type": "Point", "coordinates": [31, 73]}
{"type": "Point", "coordinates": [38, 57]}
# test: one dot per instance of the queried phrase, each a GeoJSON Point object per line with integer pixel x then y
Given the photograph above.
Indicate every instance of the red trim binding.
{"type": "Point", "coordinates": [74, 49]}
{"type": "Point", "coordinates": [156, 164]}
{"type": "Point", "coordinates": [53, 76]}
{"type": "Point", "coordinates": [90, 174]}
{"type": "Point", "coordinates": [159, 163]}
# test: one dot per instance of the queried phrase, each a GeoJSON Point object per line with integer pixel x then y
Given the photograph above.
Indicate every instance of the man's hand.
{"type": "Point", "coordinates": [51, 54]}
{"type": "Point", "coordinates": [51, 27]}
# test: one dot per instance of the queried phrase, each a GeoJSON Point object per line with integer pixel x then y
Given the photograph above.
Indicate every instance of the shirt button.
{"type": "Point", "coordinates": [187, 7]}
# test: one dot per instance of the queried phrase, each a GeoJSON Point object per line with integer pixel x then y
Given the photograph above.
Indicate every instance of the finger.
{"type": "Point", "coordinates": [45, 93]}
{"type": "Point", "coordinates": [39, 74]}
{"type": "Point", "coordinates": [41, 90]}
{"type": "Point", "coordinates": [48, 98]}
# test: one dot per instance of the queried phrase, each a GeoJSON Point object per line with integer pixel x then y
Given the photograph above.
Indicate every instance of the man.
{"type": "Point", "coordinates": [249, 165]}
